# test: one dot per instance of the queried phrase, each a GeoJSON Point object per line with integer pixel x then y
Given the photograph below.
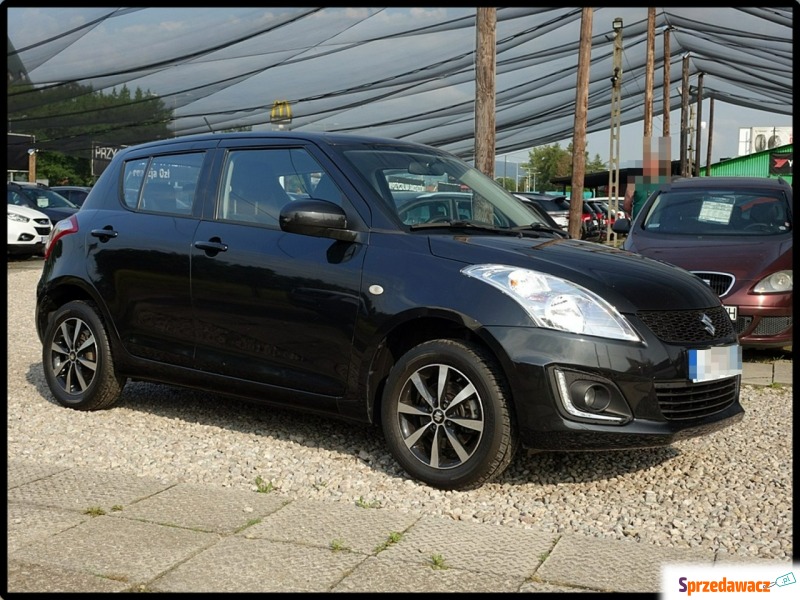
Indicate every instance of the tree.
{"type": "Point", "coordinates": [68, 119]}
{"type": "Point", "coordinates": [549, 162]}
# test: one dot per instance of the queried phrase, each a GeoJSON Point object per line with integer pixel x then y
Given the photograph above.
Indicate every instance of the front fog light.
{"type": "Point", "coordinates": [593, 397]}
{"type": "Point", "coordinates": [589, 397]}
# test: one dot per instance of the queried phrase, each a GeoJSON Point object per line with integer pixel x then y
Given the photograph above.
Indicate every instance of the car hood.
{"type": "Point", "coordinates": [628, 281]}
{"type": "Point", "coordinates": [26, 211]}
{"type": "Point", "coordinates": [744, 258]}
{"type": "Point", "coordinates": [57, 214]}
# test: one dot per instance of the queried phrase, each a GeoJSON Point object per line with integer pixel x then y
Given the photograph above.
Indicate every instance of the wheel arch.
{"type": "Point", "coordinates": [66, 290]}
{"type": "Point", "coordinates": [415, 328]}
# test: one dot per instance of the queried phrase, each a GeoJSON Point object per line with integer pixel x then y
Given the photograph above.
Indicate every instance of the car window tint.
{"type": "Point", "coordinates": [132, 178]}
{"type": "Point", "coordinates": [166, 179]}
{"type": "Point", "coordinates": [718, 212]}
{"type": "Point", "coordinates": [258, 183]}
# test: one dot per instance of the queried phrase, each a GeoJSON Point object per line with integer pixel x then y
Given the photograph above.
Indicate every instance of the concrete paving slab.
{"type": "Point", "coordinates": [238, 564]}
{"type": "Point", "coordinates": [377, 574]}
{"type": "Point", "coordinates": [118, 549]}
{"type": "Point", "coordinates": [548, 588]}
{"type": "Point", "coordinates": [477, 547]}
{"type": "Point", "coordinates": [723, 558]}
{"type": "Point", "coordinates": [26, 577]}
{"type": "Point", "coordinates": [81, 489]}
{"type": "Point", "coordinates": [204, 508]}
{"type": "Point", "coordinates": [618, 566]}
{"type": "Point", "coordinates": [782, 372]}
{"type": "Point", "coordinates": [23, 471]}
{"type": "Point", "coordinates": [27, 524]}
{"type": "Point", "coordinates": [757, 373]}
{"type": "Point", "coordinates": [323, 523]}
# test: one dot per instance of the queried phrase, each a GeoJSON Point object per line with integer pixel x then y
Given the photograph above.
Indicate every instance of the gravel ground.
{"type": "Point", "coordinates": [730, 491]}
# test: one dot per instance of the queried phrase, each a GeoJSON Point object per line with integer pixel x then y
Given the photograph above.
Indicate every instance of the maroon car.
{"type": "Point", "coordinates": [735, 233]}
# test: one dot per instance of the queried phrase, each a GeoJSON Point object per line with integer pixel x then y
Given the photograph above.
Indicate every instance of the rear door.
{"type": "Point", "coordinates": [138, 253]}
{"type": "Point", "coordinates": [273, 307]}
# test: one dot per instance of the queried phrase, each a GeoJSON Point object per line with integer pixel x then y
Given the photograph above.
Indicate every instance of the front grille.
{"type": "Point", "coordinates": [682, 400]}
{"type": "Point", "coordinates": [742, 323]}
{"type": "Point", "coordinates": [686, 326]}
{"type": "Point", "coordinates": [721, 283]}
{"type": "Point", "coordinates": [42, 226]}
{"type": "Point", "coordinates": [772, 325]}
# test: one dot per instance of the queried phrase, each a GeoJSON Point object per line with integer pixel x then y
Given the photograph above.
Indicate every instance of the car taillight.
{"type": "Point", "coordinates": [60, 229]}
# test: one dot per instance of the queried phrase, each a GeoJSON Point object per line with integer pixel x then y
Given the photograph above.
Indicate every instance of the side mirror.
{"type": "Point", "coordinates": [318, 218]}
{"type": "Point", "coordinates": [621, 226]}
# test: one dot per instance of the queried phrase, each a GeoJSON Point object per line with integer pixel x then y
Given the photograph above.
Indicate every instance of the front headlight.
{"type": "Point", "coordinates": [780, 281]}
{"type": "Point", "coordinates": [556, 303]}
{"type": "Point", "coordinates": [18, 218]}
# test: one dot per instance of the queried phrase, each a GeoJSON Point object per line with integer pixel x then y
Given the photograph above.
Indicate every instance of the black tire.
{"type": "Point", "coordinates": [445, 444]}
{"type": "Point", "coordinates": [77, 360]}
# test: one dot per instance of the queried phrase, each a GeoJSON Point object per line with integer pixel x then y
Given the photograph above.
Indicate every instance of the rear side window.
{"type": "Point", "coordinates": [162, 184]}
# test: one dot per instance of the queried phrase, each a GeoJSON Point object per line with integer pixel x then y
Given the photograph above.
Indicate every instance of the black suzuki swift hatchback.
{"type": "Point", "coordinates": [378, 281]}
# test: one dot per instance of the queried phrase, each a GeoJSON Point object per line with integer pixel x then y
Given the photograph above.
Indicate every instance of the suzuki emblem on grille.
{"type": "Point", "coordinates": [709, 325]}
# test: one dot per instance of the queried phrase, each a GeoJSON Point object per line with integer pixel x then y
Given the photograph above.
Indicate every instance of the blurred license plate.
{"type": "Point", "coordinates": [715, 363]}
{"type": "Point", "coordinates": [733, 312]}
{"type": "Point", "coordinates": [44, 239]}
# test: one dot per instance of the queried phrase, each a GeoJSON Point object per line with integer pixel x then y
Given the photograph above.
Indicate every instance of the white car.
{"type": "Point", "coordinates": [28, 230]}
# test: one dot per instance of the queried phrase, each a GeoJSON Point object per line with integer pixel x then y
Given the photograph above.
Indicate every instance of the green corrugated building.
{"type": "Point", "coordinates": [775, 163]}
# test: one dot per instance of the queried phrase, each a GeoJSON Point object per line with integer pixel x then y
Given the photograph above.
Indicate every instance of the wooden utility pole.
{"type": "Point", "coordinates": [710, 134]}
{"type": "Point", "coordinates": [684, 115]}
{"type": "Point", "coordinates": [31, 165]}
{"type": "Point", "coordinates": [699, 131]}
{"type": "Point", "coordinates": [648, 73]}
{"type": "Point", "coordinates": [665, 131]}
{"type": "Point", "coordinates": [616, 104]}
{"type": "Point", "coordinates": [579, 128]}
{"type": "Point", "coordinates": [485, 59]}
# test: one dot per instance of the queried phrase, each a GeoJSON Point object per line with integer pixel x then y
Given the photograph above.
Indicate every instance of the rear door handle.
{"type": "Point", "coordinates": [104, 234]}
{"type": "Point", "coordinates": [212, 246]}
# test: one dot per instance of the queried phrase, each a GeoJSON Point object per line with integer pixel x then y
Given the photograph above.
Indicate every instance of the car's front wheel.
{"type": "Point", "coordinates": [446, 415]}
{"type": "Point", "coordinates": [77, 360]}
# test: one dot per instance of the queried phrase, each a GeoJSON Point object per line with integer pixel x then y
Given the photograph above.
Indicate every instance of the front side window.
{"type": "Point", "coordinates": [258, 183]}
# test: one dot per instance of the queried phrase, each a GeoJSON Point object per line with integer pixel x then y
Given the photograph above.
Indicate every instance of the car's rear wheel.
{"type": "Point", "coordinates": [446, 415]}
{"type": "Point", "coordinates": [77, 360]}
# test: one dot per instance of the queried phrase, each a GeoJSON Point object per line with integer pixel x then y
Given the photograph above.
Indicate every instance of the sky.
{"type": "Point", "coordinates": [728, 118]}
{"type": "Point", "coordinates": [149, 36]}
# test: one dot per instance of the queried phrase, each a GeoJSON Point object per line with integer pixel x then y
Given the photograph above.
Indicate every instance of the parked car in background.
{"type": "Point", "coordinates": [28, 230]}
{"type": "Point", "coordinates": [42, 198]}
{"type": "Point", "coordinates": [74, 193]}
{"type": "Point", "coordinates": [558, 207]}
{"type": "Point", "coordinates": [735, 233]}
{"type": "Point", "coordinates": [605, 202]}
{"type": "Point", "coordinates": [463, 335]}
{"type": "Point", "coordinates": [600, 213]}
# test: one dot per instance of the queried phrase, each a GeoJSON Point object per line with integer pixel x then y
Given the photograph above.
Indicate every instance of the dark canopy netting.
{"type": "Point", "coordinates": [405, 73]}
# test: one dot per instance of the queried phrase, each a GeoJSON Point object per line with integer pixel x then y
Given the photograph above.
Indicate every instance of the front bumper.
{"type": "Point", "coordinates": [651, 399]}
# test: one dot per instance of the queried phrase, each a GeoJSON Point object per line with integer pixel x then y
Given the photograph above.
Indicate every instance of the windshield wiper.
{"type": "Point", "coordinates": [540, 227]}
{"type": "Point", "coordinates": [464, 225]}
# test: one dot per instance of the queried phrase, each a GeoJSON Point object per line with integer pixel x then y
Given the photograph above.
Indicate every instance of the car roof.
{"type": "Point", "coordinates": [323, 137]}
{"type": "Point", "coordinates": [733, 182]}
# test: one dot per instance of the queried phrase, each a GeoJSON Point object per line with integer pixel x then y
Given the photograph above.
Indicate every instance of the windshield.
{"type": "Point", "coordinates": [434, 187]}
{"type": "Point", "coordinates": [43, 198]}
{"type": "Point", "coordinates": [719, 212]}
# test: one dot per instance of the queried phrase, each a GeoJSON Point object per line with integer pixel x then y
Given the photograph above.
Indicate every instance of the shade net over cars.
{"type": "Point", "coordinates": [406, 73]}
